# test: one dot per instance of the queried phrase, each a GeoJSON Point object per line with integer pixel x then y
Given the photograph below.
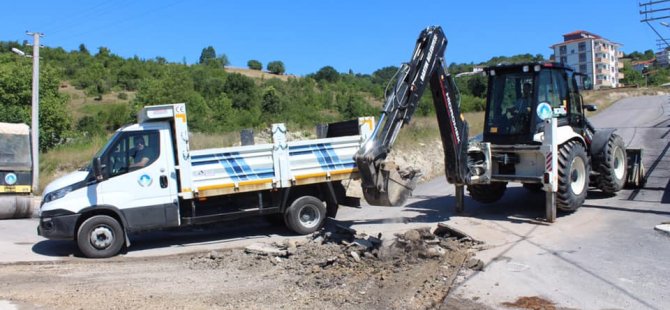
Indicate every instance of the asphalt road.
{"type": "Point", "coordinates": [605, 255]}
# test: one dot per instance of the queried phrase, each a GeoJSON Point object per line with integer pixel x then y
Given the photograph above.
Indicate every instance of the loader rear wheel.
{"type": "Point", "coordinates": [573, 172]}
{"type": "Point", "coordinates": [305, 215]}
{"type": "Point", "coordinates": [487, 193]}
{"type": "Point", "coordinates": [613, 167]}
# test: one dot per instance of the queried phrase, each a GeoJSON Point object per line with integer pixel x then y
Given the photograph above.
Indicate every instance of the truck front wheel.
{"type": "Point", "coordinates": [305, 215]}
{"type": "Point", "coordinates": [100, 236]}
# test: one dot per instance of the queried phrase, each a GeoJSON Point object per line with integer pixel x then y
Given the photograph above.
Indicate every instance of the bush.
{"type": "Point", "coordinates": [122, 96]}
{"type": "Point", "coordinates": [254, 64]}
{"type": "Point", "coordinates": [276, 67]}
{"type": "Point", "coordinates": [472, 104]}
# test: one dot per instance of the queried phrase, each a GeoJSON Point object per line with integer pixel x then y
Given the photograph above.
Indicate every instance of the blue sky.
{"type": "Point", "coordinates": [307, 35]}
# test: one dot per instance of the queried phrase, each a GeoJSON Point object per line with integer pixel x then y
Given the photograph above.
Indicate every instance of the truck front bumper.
{"type": "Point", "coordinates": [60, 227]}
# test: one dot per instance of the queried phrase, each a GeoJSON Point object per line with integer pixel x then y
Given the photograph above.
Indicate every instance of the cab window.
{"type": "Point", "coordinates": [511, 104]}
{"type": "Point", "coordinates": [132, 151]}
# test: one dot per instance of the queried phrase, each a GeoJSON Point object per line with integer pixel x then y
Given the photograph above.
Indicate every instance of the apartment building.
{"type": "Point", "coordinates": [592, 55]}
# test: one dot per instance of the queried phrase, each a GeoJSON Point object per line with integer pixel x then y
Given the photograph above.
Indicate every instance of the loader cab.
{"type": "Point", "coordinates": [514, 92]}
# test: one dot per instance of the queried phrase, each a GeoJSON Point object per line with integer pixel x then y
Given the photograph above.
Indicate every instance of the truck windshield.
{"type": "Point", "coordinates": [15, 151]}
{"type": "Point", "coordinates": [511, 103]}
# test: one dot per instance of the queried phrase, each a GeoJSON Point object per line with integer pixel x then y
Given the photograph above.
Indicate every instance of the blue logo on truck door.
{"type": "Point", "coordinates": [144, 180]}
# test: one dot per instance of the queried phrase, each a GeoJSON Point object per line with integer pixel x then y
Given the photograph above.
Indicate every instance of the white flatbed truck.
{"type": "Point", "coordinates": [101, 205]}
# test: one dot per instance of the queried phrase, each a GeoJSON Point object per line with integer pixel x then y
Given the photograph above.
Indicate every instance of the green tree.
{"type": "Point", "coordinates": [208, 54]}
{"type": "Point", "coordinates": [254, 64]}
{"type": "Point", "coordinates": [83, 49]}
{"type": "Point", "coordinates": [242, 91]}
{"type": "Point", "coordinates": [631, 76]}
{"type": "Point", "coordinates": [94, 80]}
{"type": "Point", "coordinates": [649, 54]}
{"type": "Point", "coordinates": [328, 74]}
{"type": "Point", "coordinates": [276, 67]}
{"type": "Point", "coordinates": [271, 103]}
{"type": "Point", "coordinates": [16, 100]}
{"type": "Point", "coordinates": [384, 75]}
{"type": "Point", "coordinates": [477, 85]}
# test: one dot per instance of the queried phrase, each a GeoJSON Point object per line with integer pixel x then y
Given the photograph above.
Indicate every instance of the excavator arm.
{"type": "Point", "coordinates": [383, 182]}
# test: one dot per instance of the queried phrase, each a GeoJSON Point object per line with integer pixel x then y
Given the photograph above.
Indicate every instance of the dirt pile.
{"type": "Point", "coordinates": [341, 268]}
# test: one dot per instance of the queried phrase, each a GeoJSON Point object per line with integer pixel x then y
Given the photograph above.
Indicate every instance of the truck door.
{"type": "Point", "coordinates": [140, 180]}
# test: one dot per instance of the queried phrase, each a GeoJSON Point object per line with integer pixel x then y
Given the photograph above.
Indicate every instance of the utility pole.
{"type": "Point", "coordinates": [35, 119]}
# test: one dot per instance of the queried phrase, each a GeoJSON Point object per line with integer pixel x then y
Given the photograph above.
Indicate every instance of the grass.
{"type": "Point", "coordinates": [606, 97]}
{"type": "Point", "coordinates": [67, 158]}
{"type": "Point", "coordinates": [81, 105]}
{"type": "Point", "coordinates": [426, 129]}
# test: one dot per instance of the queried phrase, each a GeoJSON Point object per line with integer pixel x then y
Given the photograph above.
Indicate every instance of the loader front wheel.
{"type": "Point", "coordinates": [487, 193]}
{"type": "Point", "coordinates": [573, 172]}
{"type": "Point", "coordinates": [613, 167]}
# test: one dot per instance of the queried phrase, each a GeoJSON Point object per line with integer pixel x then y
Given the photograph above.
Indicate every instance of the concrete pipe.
{"type": "Point", "coordinates": [14, 207]}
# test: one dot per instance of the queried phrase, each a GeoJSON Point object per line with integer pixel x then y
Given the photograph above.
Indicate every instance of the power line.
{"type": "Point", "coordinates": [648, 12]}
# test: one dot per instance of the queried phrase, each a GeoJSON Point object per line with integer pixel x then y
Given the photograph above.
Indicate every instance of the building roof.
{"type": "Point", "coordinates": [643, 62]}
{"type": "Point", "coordinates": [581, 35]}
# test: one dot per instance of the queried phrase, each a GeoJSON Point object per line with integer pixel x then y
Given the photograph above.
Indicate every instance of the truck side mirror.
{"type": "Point", "coordinates": [591, 107]}
{"type": "Point", "coordinates": [97, 169]}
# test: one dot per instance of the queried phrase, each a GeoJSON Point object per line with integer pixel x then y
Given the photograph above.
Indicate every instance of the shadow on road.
{"type": "Point", "coordinates": [219, 233]}
{"type": "Point", "coordinates": [518, 205]}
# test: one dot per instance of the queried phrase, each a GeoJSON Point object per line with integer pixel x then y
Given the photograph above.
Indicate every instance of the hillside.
{"type": "Point", "coordinates": [258, 74]}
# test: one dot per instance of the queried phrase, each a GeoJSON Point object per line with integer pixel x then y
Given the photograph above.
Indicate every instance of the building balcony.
{"type": "Point", "coordinates": [620, 65]}
{"type": "Point", "coordinates": [602, 60]}
{"type": "Point", "coordinates": [620, 76]}
{"type": "Point", "coordinates": [602, 83]}
{"type": "Point", "coordinates": [619, 54]}
{"type": "Point", "coordinates": [602, 71]}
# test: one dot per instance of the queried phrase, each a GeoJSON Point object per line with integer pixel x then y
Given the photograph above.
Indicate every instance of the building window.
{"type": "Point", "coordinates": [564, 60]}
{"type": "Point", "coordinates": [582, 46]}
{"type": "Point", "coordinates": [563, 49]}
{"type": "Point", "coordinates": [582, 57]}
{"type": "Point", "coordinates": [582, 68]}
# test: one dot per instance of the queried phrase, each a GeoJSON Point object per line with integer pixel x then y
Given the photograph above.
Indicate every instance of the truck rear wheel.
{"type": "Point", "coordinates": [100, 236]}
{"type": "Point", "coordinates": [573, 172]}
{"type": "Point", "coordinates": [487, 193]}
{"type": "Point", "coordinates": [305, 215]}
{"type": "Point", "coordinates": [613, 167]}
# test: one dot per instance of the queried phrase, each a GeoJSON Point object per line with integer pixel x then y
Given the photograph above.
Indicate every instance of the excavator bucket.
{"type": "Point", "coordinates": [396, 186]}
{"type": "Point", "coordinates": [636, 174]}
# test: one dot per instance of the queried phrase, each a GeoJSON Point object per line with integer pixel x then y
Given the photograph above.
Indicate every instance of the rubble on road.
{"type": "Point", "coordinates": [341, 266]}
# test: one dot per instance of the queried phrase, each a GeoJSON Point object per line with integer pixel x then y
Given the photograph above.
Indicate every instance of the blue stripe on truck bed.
{"type": "Point", "coordinates": [234, 165]}
{"type": "Point", "coordinates": [324, 154]}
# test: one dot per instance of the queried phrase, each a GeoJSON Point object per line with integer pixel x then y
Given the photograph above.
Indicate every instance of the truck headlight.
{"type": "Point", "coordinates": [57, 194]}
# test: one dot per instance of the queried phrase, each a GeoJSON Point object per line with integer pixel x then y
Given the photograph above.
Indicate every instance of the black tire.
{"type": "Point", "coordinates": [533, 187]}
{"type": "Point", "coordinates": [573, 174]}
{"type": "Point", "coordinates": [487, 193]}
{"type": "Point", "coordinates": [305, 215]}
{"type": "Point", "coordinates": [612, 168]}
{"type": "Point", "coordinates": [100, 236]}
